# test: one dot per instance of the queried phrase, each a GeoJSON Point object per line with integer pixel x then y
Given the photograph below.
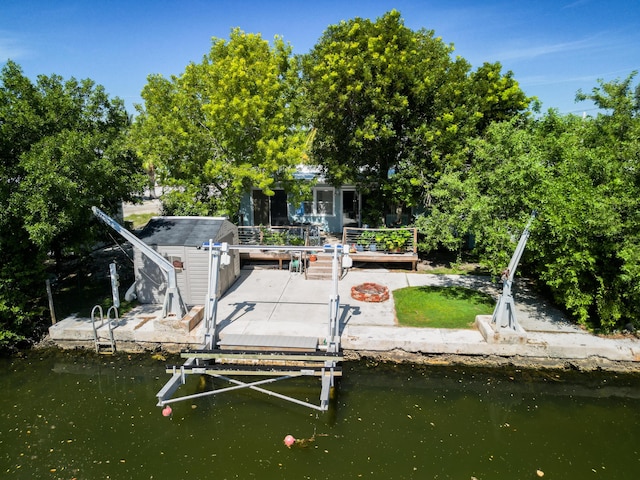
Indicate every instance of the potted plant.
{"type": "Point", "coordinates": [368, 240]}
{"type": "Point", "coordinates": [393, 240]}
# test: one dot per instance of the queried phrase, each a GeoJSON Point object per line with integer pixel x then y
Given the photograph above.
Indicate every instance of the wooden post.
{"type": "Point", "coordinates": [51, 309]}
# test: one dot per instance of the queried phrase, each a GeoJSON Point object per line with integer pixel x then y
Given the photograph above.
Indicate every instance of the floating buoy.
{"type": "Point", "coordinates": [166, 411]}
{"type": "Point", "coordinates": [289, 440]}
{"type": "Point", "coordinates": [540, 473]}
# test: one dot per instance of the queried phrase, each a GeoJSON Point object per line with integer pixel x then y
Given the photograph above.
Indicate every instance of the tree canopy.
{"type": "Point", "coordinates": [582, 176]}
{"type": "Point", "coordinates": [224, 125]}
{"type": "Point", "coordinates": [62, 150]}
{"type": "Point", "coordinates": [393, 108]}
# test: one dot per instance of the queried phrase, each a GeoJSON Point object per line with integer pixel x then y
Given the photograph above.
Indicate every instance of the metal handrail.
{"type": "Point", "coordinates": [109, 324]}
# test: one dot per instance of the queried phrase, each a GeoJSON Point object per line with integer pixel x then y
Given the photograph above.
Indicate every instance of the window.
{"type": "Point", "coordinates": [322, 203]}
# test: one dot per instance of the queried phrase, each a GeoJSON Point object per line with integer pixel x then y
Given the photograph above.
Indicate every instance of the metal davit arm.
{"type": "Point", "coordinates": [504, 315]}
{"type": "Point", "coordinates": [173, 303]}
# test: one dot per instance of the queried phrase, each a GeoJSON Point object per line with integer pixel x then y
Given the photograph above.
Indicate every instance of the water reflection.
{"type": "Point", "coordinates": [79, 415]}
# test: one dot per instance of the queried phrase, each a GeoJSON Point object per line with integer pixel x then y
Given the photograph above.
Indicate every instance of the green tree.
{"type": "Point", "coordinates": [581, 175]}
{"type": "Point", "coordinates": [224, 125]}
{"type": "Point", "coordinates": [62, 150]}
{"type": "Point", "coordinates": [392, 107]}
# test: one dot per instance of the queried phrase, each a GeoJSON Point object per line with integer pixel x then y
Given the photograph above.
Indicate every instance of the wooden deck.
{"type": "Point", "coordinates": [265, 256]}
{"type": "Point", "coordinates": [253, 236]}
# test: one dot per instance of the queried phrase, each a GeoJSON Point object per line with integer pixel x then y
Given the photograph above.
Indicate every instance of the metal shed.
{"type": "Point", "coordinates": [180, 240]}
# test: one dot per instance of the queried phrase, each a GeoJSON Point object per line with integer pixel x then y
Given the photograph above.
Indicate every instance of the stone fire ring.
{"type": "Point", "coordinates": [370, 292]}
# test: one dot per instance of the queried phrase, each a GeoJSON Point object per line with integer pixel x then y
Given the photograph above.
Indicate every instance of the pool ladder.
{"type": "Point", "coordinates": [104, 345]}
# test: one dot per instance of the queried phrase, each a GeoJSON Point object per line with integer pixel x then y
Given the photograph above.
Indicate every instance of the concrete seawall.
{"type": "Point", "coordinates": [275, 302]}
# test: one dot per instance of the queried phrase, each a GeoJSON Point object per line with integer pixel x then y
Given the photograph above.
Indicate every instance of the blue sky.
{"type": "Point", "coordinates": [554, 47]}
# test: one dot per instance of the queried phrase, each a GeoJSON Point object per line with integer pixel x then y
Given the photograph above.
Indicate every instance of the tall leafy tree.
{"type": "Point", "coordinates": [393, 108]}
{"type": "Point", "coordinates": [581, 175]}
{"type": "Point", "coordinates": [224, 125]}
{"type": "Point", "coordinates": [62, 150]}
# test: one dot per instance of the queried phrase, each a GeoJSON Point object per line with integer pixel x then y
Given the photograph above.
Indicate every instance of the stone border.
{"type": "Point", "coordinates": [370, 292]}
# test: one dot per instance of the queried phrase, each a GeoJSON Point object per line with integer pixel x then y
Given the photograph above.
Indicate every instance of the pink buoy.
{"type": "Point", "coordinates": [166, 411]}
{"type": "Point", "coordinates": [289, 440]}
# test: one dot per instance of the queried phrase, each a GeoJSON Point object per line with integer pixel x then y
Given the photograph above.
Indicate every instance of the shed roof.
{"type": "Point", "coordinates": [184, 231]}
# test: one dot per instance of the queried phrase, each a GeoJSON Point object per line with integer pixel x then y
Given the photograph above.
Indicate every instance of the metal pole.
{"type": "Point", "coordinates": [50, 297]}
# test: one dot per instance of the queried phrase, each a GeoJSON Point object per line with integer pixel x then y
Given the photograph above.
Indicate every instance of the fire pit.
{"type": "Point", "coordinates": [370, 292]}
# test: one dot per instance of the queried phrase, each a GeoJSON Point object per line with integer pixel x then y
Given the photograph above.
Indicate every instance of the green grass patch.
{"type": "Point", "coordinates": [139, 220]}
{"type": "Point", "coordinates": [440, 307]}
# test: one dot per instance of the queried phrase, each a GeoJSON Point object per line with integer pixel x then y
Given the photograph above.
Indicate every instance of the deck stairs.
{"type": "Point", "coordinates": [321, 269]}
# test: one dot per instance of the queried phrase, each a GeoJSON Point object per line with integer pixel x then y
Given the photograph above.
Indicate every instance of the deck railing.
{"type": "Point", "coordinates": [303, 235]}
{"type": "Point", "coordinates": [399, 240]}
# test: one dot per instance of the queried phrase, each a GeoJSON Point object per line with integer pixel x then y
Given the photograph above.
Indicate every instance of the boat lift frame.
{"type": "Point", "coordinates": [327, 368]}
{"type": "Point", "coordinates": [504, 314]}
{"type": "Point", "coordinates": [173, 303]}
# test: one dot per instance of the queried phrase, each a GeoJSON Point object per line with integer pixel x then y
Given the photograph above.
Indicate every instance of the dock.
{"type": "Point", "coordinates": [268, 302]}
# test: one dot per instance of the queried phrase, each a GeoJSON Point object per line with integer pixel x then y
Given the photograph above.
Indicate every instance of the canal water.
{"type": "Point", "coordinates": [77, 415]}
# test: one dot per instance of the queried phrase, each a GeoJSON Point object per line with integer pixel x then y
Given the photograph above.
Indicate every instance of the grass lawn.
{"type": "Point", "coordinates": [139, 220]}
{"type": "Point", "coordinates": [440, 307]}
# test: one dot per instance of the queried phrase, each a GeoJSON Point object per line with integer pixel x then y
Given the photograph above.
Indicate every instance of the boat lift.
{"type": "Point", "coordinates": [273, 362]}
{"type": "Point", "coordinates": [173, 304]}
{"type": "Point", "coordinates": [504, 314]}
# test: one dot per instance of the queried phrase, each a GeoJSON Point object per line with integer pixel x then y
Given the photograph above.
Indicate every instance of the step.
{"type": "Point", "coordinates": [106, 348]}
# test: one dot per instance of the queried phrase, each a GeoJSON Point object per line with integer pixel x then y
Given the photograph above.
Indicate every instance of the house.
{"type": "Point", "coordinates": [331, 208]}
{"type": "Point", "coordinates": [180, 240]}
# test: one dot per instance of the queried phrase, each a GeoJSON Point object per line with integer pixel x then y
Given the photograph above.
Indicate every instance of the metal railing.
{"type": "Point", "coordinates": [404, 240]}
{"type": "Point", "coordinates": [110, 342]}
{"type": "Point", "coordinates": [296, 235]}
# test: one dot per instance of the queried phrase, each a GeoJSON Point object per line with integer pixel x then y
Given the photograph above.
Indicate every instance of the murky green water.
{"type": "Point", "coordinates": [81, 416]}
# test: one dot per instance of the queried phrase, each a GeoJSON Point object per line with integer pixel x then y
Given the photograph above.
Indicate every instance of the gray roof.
{"type": "Point", "coordinates": [184, 231]}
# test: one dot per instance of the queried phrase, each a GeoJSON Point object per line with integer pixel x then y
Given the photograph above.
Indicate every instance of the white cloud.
{"type": "Point", "coordinates": [11, 47]}
{"type": "Point", "coordinates": [533, 51]}
{"type": "Point", "coordinates": [589, 78]}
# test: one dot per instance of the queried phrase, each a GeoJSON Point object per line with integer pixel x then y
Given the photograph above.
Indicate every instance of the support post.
{"type": "Point", "coordinates": [50, 297]}
{"type": "Point", "coordinates": [211, 304]}
{"type": "Point", "coordinates": [333, 339]}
